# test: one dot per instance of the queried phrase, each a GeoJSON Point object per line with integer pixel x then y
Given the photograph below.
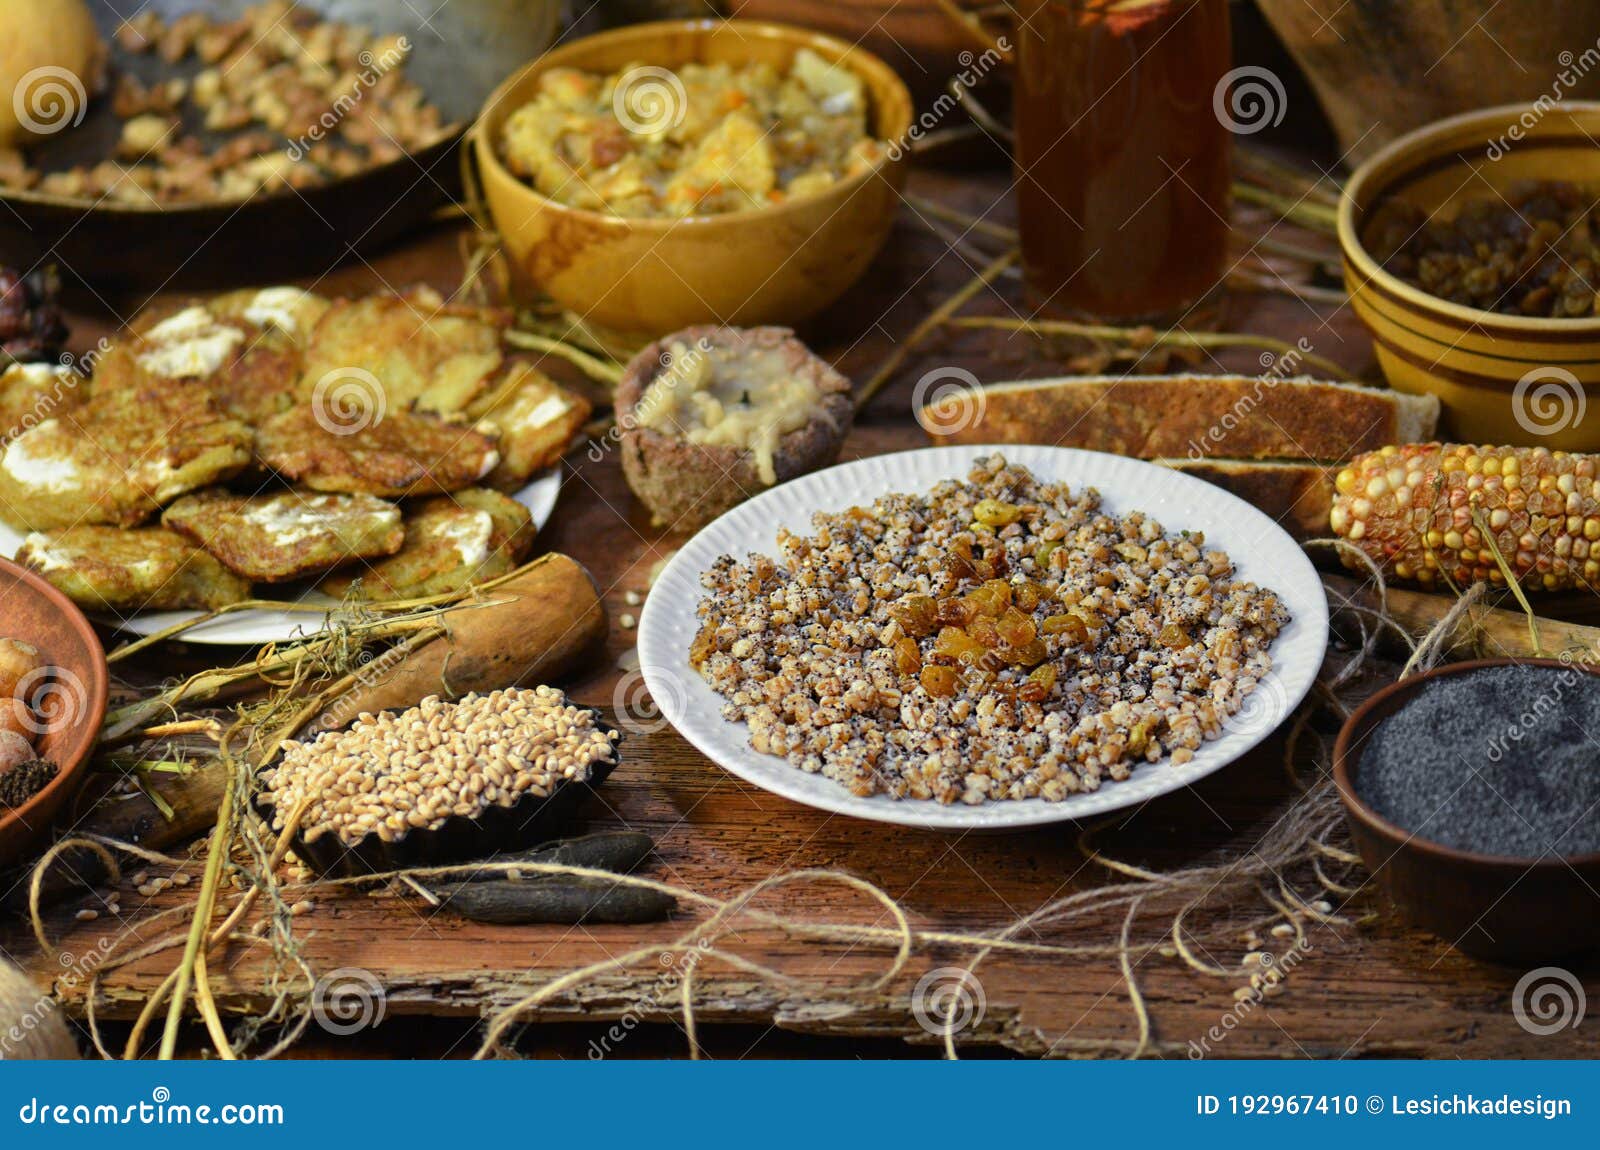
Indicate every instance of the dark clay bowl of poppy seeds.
{"type": "Point", "coordinates": [1473, 795]}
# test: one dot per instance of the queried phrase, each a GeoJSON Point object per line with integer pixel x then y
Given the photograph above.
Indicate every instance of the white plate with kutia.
{"type": "Point", "coordinates": [1262, 552]}
{"type": "Point", "coordinates": [260, 625]}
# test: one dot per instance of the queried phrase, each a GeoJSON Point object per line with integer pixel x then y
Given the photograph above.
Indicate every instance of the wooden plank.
{"type": "Point", "coordinates": [1375, 988]}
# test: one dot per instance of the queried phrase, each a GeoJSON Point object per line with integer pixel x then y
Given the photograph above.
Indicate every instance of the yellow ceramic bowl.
{"type": "Point", "coordinates": [651, 276]}
{"type": "Point", "coordinates": [1500, 378]}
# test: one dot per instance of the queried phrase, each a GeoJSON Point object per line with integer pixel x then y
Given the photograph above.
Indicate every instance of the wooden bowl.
{"type": "Point", "coordinates": [651, 276]}
{"type": "Point", "coordinates": [1473, 360]}
{"type": "Point", "coordinates": [1490, 906]}
{"type": "Point", "coordinates": [74, 699]}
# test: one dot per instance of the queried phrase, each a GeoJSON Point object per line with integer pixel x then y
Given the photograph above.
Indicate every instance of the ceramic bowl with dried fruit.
{"type": "Point", "coordinates": [1505, 368]}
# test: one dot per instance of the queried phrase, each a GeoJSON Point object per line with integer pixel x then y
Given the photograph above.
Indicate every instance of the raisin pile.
{"type": "Point", "coordinates": [1534, 252]}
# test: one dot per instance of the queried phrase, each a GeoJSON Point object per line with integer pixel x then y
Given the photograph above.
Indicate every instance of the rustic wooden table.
{"type": "Point", "coordinates": [1361, 988]}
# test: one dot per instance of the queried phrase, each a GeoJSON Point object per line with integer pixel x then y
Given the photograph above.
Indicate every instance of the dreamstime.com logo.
{"type": "Point", "coordinates": [649, 101]}
{"type": "Point", "coordinates": [948, 1000]}
{"type": "Point", "coordinates": [1260, 711]}
{"type": "Point", "coordinates": [53, 698]}
{"type": "Point", "coordinates": [1548, 400]}
{"type": "Point", "coordinates": [373, 68]}
{"type": "Point", "coordinates": [375, 669]}
{"type": "Point", "coordinates": [48, 100]}
{"type": "Point", "coordinates": [1249, 99]}
{"type": "Point", "coordinates": [158, 1110]}
{"type": "Point", "coordinates": [348, 400]}
{"type": "Point", "coordinates": [1547, 1000]}
{"type": "Point", "coordinates": [26, 1037]}
{"type": "Point", "coordinates": [638, 710]}
{"type": "Point", "coordinates": [347, 1000]}
{"type": "Point", "coordinates": [948, 400]}
{"type": "Point", "coordinates": [1275, 367]}
{"type": "Point", "coordinates": [973, 69]}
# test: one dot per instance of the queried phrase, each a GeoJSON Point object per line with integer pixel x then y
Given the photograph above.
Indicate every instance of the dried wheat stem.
{"type": "Point", "coordinates": [609, 373]}
{"type": "Point", "coordinates": [1307, 213]}
{"type": "Point", "coordinates": [204, 903]}
{"type": "Point", "coordinates": [939, 315]}
{"type": "Point", "coordinates": [951, 216]}
{"type": "Point", "coordinates": [1145, 337]}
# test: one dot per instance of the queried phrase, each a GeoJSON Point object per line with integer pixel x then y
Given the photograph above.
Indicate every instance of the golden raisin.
{"type": "Point", "coordinates": [1016, 629]}
{"type": "Point", "coordinates": [985, 632]}
{"type": "Point", "coordinates": [939, 681]}
{"type": "Point", "coordinates": [704, 645]}
{"type": "Point", "coordinates": [995, 513]}
{"type": "Point", "coordinates": [1029, 654]}
{"type": "Point", "coordinates": [1069, 626]}
{"type": "Point", "coordinates": [1139, 736]}
{"type": "Point", "coordinates": [907, 659]}
{"type": "Point", "coordinates": [1039, 684]}
{"type": "Point", "coordinates": [955, 612]}
{"type": "Point", "coordinates": [954, 643]}
{"type": "Point", "coordinates": [960, 566]}
{"type": "Point", "coordinates": [916, 614]}
{"type": "Point", "coordinates": [1042, 553]}
{"type": "Point", "coordinates": [1173, 636]}
{"type": "Point", "coordinates": [991, 599]}
{"type": "Point", "coordinates": [1027, 595]}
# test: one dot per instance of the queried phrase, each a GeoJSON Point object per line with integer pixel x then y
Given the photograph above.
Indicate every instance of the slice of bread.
{"type": "Point", "coordinates": [1186, 416]}
{"type": "Point", "coordinates": [1297, 495]}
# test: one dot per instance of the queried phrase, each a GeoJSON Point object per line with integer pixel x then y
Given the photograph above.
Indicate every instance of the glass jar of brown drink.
{"type": "Point", "coordinates": [1122, 164]}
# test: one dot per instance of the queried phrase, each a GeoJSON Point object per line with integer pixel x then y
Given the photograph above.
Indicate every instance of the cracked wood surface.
{"type": "Point", "coordinates": [1376, 988]}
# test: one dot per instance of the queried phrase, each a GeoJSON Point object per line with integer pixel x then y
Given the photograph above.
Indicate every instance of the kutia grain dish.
{"type": "Point", "coordinates": [705, 139]}
{"type": "Point", "coordinates": [998, 638]}
{"type": "Point", "coordinates": [391, 774]}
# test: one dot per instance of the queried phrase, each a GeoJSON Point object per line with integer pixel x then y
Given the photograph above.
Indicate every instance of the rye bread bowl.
{"type": "Point", "coordinates": [687, 484]}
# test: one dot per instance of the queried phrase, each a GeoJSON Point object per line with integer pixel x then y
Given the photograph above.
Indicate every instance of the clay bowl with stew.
{"type": "Point", "coordinates": [774, 265]}
{"type": "Point", "coordinates": [1513, 910]}
{"type": "Point", "coordinates": [1475, 360]}
{"type": "Point", "coordinates": [69, 701]}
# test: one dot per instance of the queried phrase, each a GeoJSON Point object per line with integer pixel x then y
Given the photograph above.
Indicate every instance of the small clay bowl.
{"type": "Point", "coordinates": [532, 820]}
{"type": "Point", "coordinates": [1490, 906]}
{"type": "Point", "coordinates": [73, 698]}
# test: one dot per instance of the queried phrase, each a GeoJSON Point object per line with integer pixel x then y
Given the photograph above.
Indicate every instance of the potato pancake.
{"type": "Point", "coordinates": [31, 393]}
{"type": "Point", "coordinates": [450, 542]}
{"type": "Point", "coordinates": [287, 535]}
{"type": "Point", "coordinates": [290, 311]}
{"type": "Point", "coordinates": [253, 371]}
{"type": "Point", "coordinates": [119, 457]}
{"type": "Point", "coordinates": [423, 353]}
{"type": "Point", "coordinates": [116, 569]}
{"type": "Point", "coordinates": [389, 454]}
{"type": "Point", "coordinates": [537, 420]}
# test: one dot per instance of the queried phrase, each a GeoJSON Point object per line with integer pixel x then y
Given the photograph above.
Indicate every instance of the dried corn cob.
{"type": "Point", "coordinates": [1421, 511]}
